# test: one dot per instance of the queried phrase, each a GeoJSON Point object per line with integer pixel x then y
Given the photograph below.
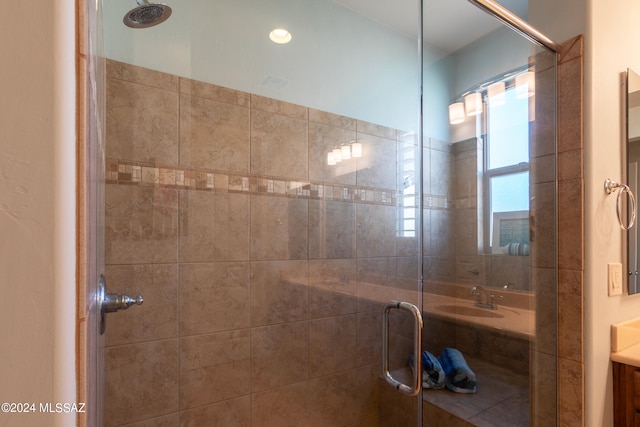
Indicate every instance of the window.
{"type": "Point", "coordinates": [407, 157]}
{"type": "Point", "coordinates": [506, 174]}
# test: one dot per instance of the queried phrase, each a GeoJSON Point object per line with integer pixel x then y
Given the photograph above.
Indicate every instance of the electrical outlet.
{"type": "Point", "coordinates": [615, 278]}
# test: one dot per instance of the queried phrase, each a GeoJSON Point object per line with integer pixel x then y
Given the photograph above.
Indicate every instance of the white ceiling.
{"type": "Point", "coordinates": [438, 16]}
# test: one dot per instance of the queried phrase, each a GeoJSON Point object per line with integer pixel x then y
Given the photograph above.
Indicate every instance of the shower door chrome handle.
{"type": "Point", "coordinates": [414, 388]}
{"type": "Point", "coordinates": [110, 303]}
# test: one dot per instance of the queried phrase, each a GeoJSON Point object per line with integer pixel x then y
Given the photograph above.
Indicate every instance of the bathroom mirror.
{"type": "Point", "coordinates": [632, 165]}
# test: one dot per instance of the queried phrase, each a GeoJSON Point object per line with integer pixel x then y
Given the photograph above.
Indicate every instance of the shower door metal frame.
{"type": "Point", "coordinates": [516, 23]}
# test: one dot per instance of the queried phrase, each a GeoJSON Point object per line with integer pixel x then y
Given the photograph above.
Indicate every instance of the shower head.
{"type": "Point", "coordinates": [146, 14]}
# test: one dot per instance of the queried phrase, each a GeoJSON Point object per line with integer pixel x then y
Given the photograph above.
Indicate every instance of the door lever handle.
{"type": "Point", "coordinates": [110, 303]}
{"type": "Point", "coordinates": [115, 302]}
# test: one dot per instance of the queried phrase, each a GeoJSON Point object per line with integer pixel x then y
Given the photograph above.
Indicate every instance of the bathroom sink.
{"type": "Point", "coordinates": [624, 335]}
{"type": "Point", "coordinates": [467, 310]}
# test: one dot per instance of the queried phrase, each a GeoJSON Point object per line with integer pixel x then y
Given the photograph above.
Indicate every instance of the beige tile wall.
{"type": "Point", "coordinates": [543, 243]}
{"type": "Point", "coordinates": [571, 232]}
{"type": "Point", "coordinates": [195, 219]}
{"type": "Point", "coordinates": [439, 243]}
{"type": "Point", "coordinates": [559, 357]}
{"type": "Point", "coordinates": [254, 256]}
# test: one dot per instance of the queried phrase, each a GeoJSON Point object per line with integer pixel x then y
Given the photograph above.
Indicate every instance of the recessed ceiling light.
{"type": "Point", "coordinates": [280, 36]}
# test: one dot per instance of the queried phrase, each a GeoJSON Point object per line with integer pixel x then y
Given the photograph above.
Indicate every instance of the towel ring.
{"type": "Point", "coordinates": [609, 187]}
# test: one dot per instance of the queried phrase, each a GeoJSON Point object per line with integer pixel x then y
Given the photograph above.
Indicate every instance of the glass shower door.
{"type": "Point", "coordinates": [490, 282]}
{"type": "Point", "coordinates": [262, 194]}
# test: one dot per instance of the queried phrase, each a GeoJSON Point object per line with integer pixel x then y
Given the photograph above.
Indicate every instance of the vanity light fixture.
{"type": "Point", "coordinates": [330, 160]}
{"type": "Point", "coordinates": [456, 113]}
{"type": "Point", "coordinates": [280, 36]}
{"type": "Point", "coordinates": [496, 94]}
{"type": "Point", "coordinates": [526, 84]}
{"type": "Point", "coordinates": [356, 149]}
{"type": "Point", "coordinates": [473, 103]}
{"type": "Point", "coordinates": [346, 151]}
{"type": "Point", "coordinates": [470, 103]}
{"type": "Point", "coordinates": [337, 155]}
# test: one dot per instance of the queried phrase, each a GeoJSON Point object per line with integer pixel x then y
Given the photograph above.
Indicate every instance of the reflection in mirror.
{"type": "Point", "coordinates": [491, 133]}
{"type": "Point", "coordinates": [633, 160]}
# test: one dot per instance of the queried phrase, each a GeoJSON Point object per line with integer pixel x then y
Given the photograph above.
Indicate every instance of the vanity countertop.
{"type": "Point", "coordinates": [461, 308]}
{"type": "Point", "coordinates": [625, 342]}
{"type": "Point", "coordinates": [628, 356]}
{"type": "Point", "coordinates": [513, 314]}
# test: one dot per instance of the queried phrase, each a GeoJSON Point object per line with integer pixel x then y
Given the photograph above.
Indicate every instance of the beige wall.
{"type": "Point", "coordinates": [37, 208]}
{"type": "Point", "coordinates": [608, 27]}
{"type": "Point", "coordinates": [612, 25]}
{"type": "Point", "coordinates": [559, 20]}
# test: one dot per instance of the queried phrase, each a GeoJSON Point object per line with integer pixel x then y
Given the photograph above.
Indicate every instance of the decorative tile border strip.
{"type": "Point", "coordinates": [432, 201]}
{"type": "Point", "coordinates": [138, 173]}
{"type": "Point", "coordinates": [465, 203]}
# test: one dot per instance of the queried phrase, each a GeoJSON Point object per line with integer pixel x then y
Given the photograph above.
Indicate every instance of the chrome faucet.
{"type": "Point", "coordinates": [489, 299]}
